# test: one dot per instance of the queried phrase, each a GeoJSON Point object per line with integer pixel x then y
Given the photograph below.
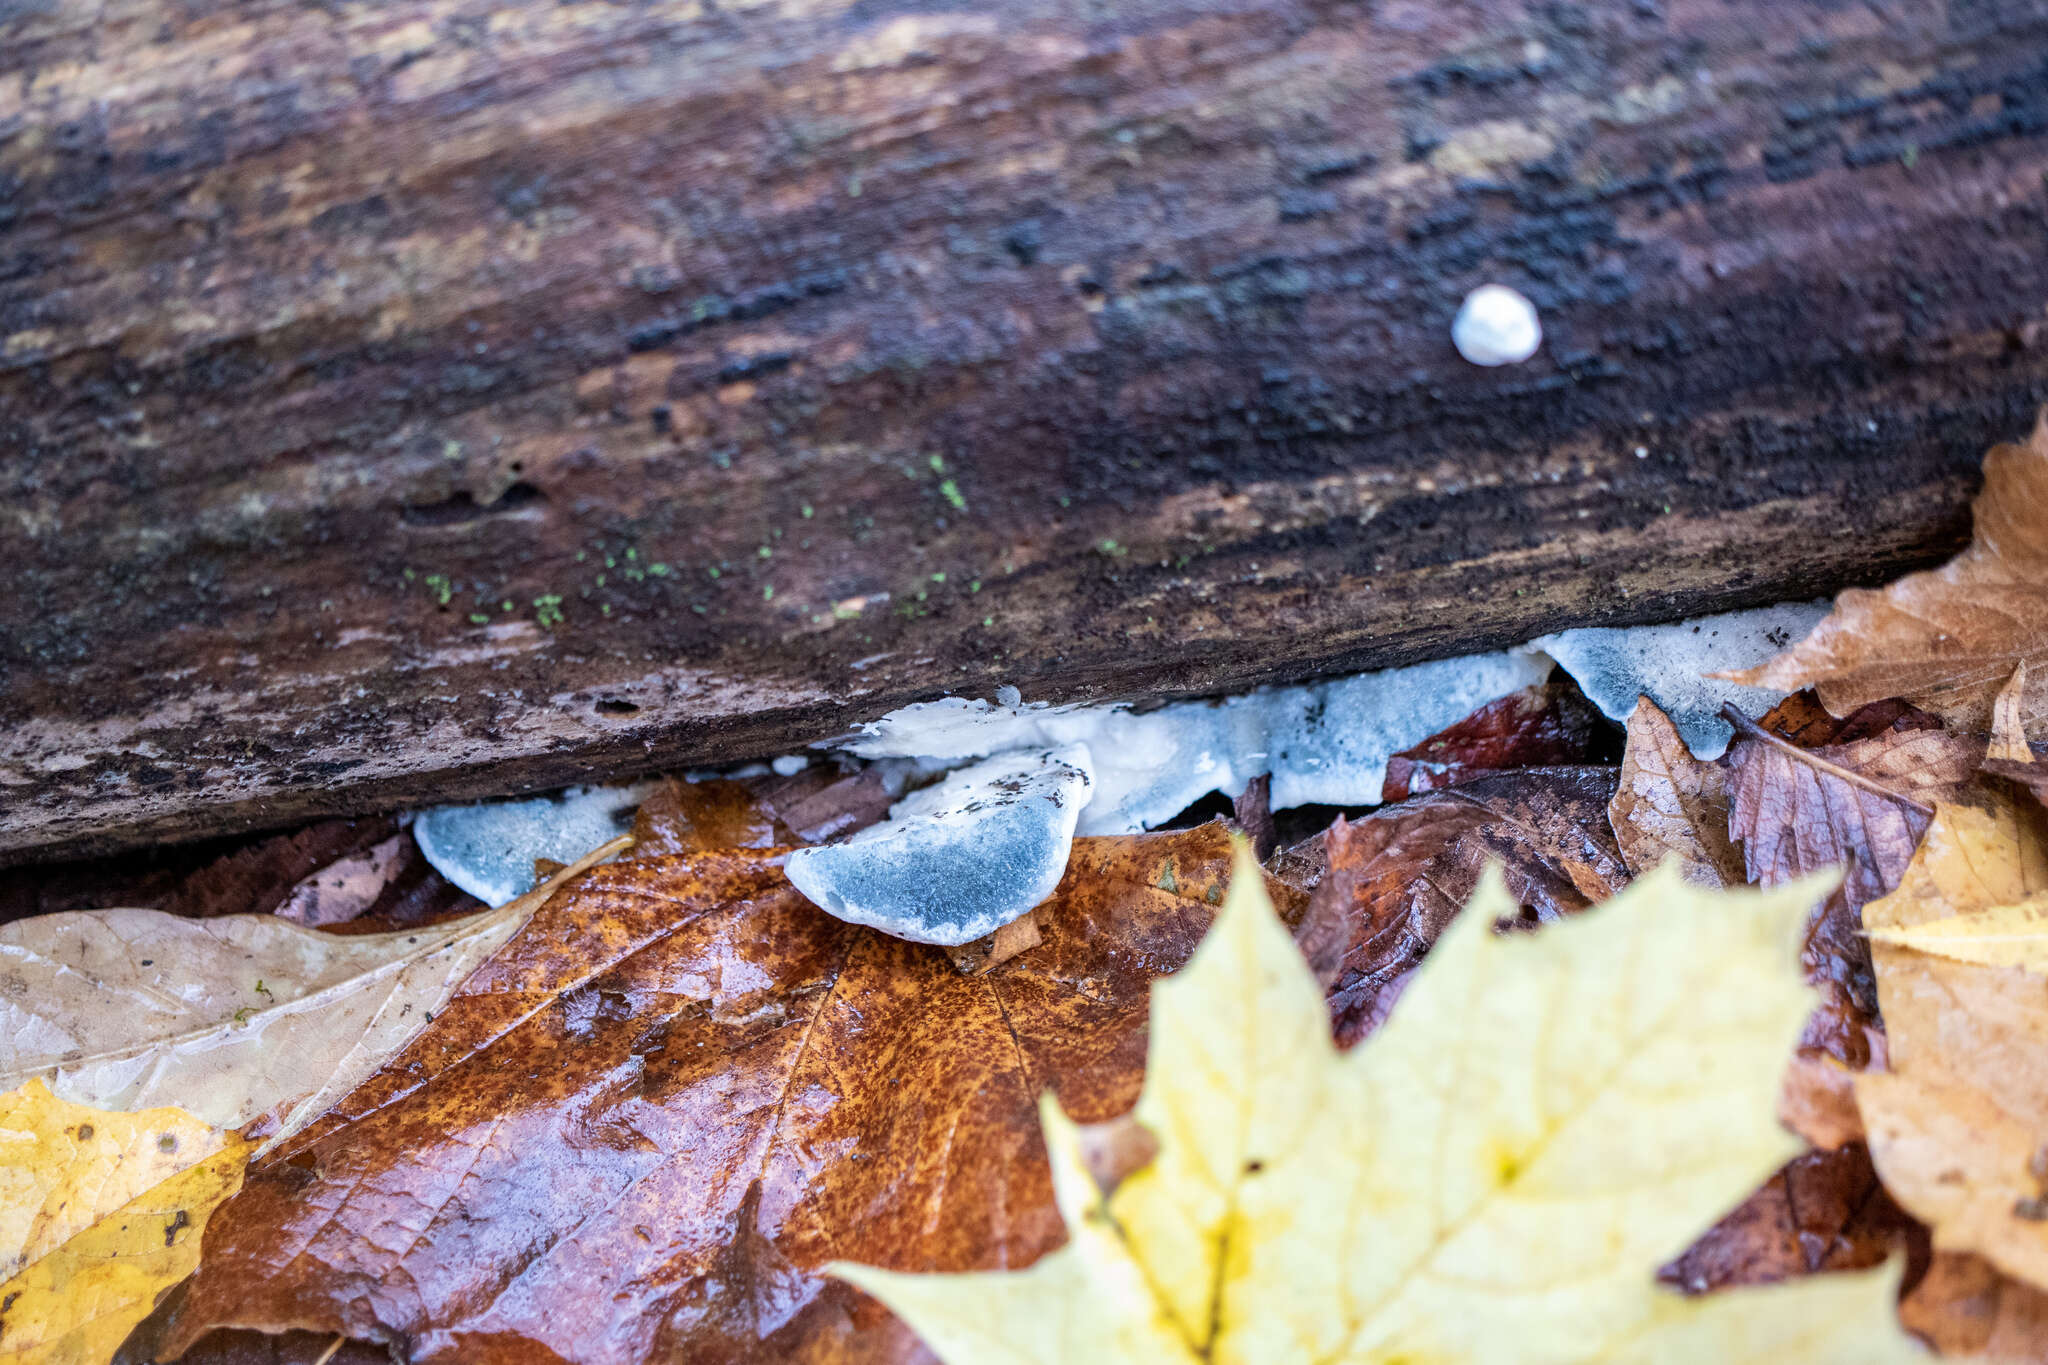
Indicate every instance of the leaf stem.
{"type": "Point", "coordinates": [1749, 729]}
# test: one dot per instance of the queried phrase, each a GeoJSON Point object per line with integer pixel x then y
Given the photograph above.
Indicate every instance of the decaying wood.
{"type": "Point", "coordinates": [438, 398]}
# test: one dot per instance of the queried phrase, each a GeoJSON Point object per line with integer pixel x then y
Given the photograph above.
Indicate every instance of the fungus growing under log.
{"type": "Point", "coordinates": [434, 410]}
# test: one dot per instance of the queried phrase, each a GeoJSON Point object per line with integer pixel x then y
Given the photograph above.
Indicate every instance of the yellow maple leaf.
{"type": "Point", "coordinates": [1494, 1176]}
{"type": "Point", "coordinates": [1956, 1125]}
{"type": "Point", "coordinates": [99, 1213]}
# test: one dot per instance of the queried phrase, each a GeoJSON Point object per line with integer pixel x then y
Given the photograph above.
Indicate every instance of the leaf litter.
{"type": "Point", "coordinates": [651, 1119]}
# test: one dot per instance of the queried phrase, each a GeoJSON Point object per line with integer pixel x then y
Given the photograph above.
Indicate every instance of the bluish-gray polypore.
{"type": "Point", "coordinates": [1671, 665]}
{"type": "Point", "coordinates": [488, 850]}
{"type": "Point", "coordinates": [958, 860]}
{"type": "Point", "coordinates": [1325, 742]}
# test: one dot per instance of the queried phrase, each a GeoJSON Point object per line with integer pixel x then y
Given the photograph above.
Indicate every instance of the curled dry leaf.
{"type": "Point", "coordinates": [1957, 1127]}
{"type": "Point", "coordinates": [233, 1016]}
{"type": "Point", "coordinates": [1395, 878]}
{"type": "Point", "coordinates": [1948, 639]}
{"type": "Point", "coordinates": [1490, 1177]}
{"type": "Point", "coordinates": [640, 1129]}
{"type": "Point", "coordinates": [99, 1213]}
{"type": "Point", "coordinates": [2008, 722]}
{"type": "Point", "coordinates": [1672, 805]}
{"type": "Point", "coordinates": [1548, 725]}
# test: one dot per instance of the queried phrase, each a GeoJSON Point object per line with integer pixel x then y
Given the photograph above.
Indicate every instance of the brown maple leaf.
{"type": "Point", "coordinates": [1861, 806]}
{"type": "Point", "coordinates": [1950, 639]}
{"type": "Point", "coordinates": [638, 1130]}
{"type": "Point", "coordinates": [1823, 1211]}
{"type": "Point", "coordinates": [1386, 885]}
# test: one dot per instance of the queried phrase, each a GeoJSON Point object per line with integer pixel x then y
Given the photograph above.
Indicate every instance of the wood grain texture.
{"type": "Point", "coordinates": [359, 364]}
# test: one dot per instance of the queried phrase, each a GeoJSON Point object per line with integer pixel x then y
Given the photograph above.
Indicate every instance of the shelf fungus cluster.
{"type": "Point", "coordinates": [991, 794]}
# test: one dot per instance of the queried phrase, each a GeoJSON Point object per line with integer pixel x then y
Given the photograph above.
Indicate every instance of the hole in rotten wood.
{"type": "Point", "coordinates": [464, 507]}
{"type": "Point", "coordinates": [614, 706]}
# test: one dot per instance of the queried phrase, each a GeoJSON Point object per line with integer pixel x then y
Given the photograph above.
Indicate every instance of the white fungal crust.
{"type": "Point", "coordinates": [488, 850]}
{"type": "Point", "coordinates": [1330, 743]}
{"type": "Point", "coordinates": [958, 860]}
{"type": "Point", "coordinates": [1327, 742]}
{"type": "Point", "coordinates": [1496, 325]}
{"type": "Point", "coordinates": [1668, 664]}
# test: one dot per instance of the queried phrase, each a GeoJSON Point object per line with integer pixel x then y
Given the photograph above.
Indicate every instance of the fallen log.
{"type": "Point", "coordinates": [430, 400]}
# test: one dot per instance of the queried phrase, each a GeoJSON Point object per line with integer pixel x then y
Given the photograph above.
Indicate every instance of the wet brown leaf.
{"type": "Point", "coordinates": [703, 817]}
{"type": "Point", "coordinates": [1824, 1211]}
{"type": "Point", "coordinates": [1545, 726]}
{"type": "Point", "coordinates": [1670, 804]}
{"type": "Point", "coordinates": [1964, 1307]}
{"type": "Point", "coordinates": [1395, 878]}
{"type": "Point", "coordinates": [1861, 805]}
{"type": "Point", "coordinates": [638, 1129]}
{"type": "Point", "coordinates": [1948, 639]}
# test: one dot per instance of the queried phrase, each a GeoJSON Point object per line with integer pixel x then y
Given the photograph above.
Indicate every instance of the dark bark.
{"type": "Point", "coordinates": [380, 387]}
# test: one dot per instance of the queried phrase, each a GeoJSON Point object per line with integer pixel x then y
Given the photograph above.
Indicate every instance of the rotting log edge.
{"type": "Point", "coordinates": [1140, 325]}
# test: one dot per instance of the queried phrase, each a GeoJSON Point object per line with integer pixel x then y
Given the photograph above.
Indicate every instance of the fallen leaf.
{"type": "Point", "coordinates": [823, 803]}
{"type": "Point", "coordinates": [1966, 1308]}
{"type": "Point", "coordinates": [1957, 1126]}
{"type": "Point", "coordinates": [346, 888]}
{"type": "Point", "coordinates": [99, 1213]}
{"type": "Point", "coordinates": [2008, 721]}
{"type": "Point", "coordinates": [1861, 806]}
{"type": "Point", "coordinates": [2013, 935]}
{"type": "Point", "coordinates": [1396, 877]}
{"type": "Point", "coordinates": [700, 817]}
{"type": "Point", "coordinates": [1801, 719]}
{"type": "Point", "coordinates": [993, 950]}
{"type": "Point", "coordinates": [1947, 639]}
{"type": "Point", "coordinates": [2032, 776]}
{"type": "Point", "coordinates": [1253, 811]}
{"type": "Point", "coordinates": [1672, 805]}
{"type": "Point", "coordinates": [231, 1017]}
{"type": "Point", "coordinates": [1818, 1100]}
{"type": "Point", "coordinates": [1548, 725]}
{"type": "Point", "coordinates": [1823, 1211]}
{"type": "Point", "coordinates": [1493, 1176]}
{"type": "Point", "coordinates": [217, 877]}
{"type": "Point", "coordinates": [641, 1127]}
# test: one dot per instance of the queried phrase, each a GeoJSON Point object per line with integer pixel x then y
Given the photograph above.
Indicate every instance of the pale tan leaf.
{"type": "Point", "coordinates": [2013, 935]}
{"type": "Point", "coordinates": [2008, 722]}
{"type": "Point", "coordinates": [228, 1017]}
{"type": "Point", "coordinates": [1957, 1127]}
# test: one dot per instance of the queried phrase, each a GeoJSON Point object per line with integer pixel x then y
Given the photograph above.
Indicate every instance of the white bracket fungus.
{"type": "Point", "coordinates": [1669, 664]}
{"type": "Point", "coordinates": [488, 850]}
{"type": "Point", "coordinates": [958, 860]}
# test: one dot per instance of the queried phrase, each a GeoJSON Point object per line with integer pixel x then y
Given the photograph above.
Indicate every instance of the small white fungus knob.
{"type": "Point", "coordinates": [1496, 326]}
